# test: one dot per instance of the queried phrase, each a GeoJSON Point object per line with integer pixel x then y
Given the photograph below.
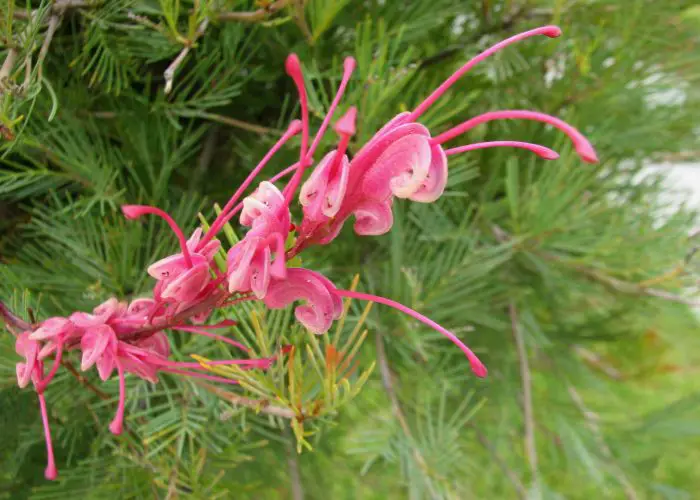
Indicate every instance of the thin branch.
{"type": "Point", "coordinates": [293, 464]}
{"type": "Point", "coordinates": [53, 24]}
{"type": "Point", "coordinates": [6, 68]}
{"type": "Point", "coordinates": [12, 320]}
{"type": "Point", "coordinates": [253, 16]}
{"type": "Point", "coordinates": [233, 122]}
{"type": "Point", "coordinates": [84, 381]}
{"type": "Point", "coordinates": [608, 281]}
{"type": "Point", "coordinates": [300, 20]}
{"type": "Point", "coordinates": [388, 384]}
{"type": "Point", "coordinates": [258, 405]}
{"type": "Point", "coordinates": [591, 419]}
{"type": "Point", "coordinates": [59, 6]}
{"type": "Point", "coordinates": [526, 379]}
{"type": "Point", "coordinates": [595, 360]}
{"type": "Point", "coordinates": [169, 73]}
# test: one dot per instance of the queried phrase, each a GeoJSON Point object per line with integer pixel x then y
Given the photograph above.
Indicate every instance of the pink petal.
{"type": "Point", "coordinates": [172, 266]}
{"type": "Point", "coordinates": [105, 365]}
{"type": "Point", "coordinates": [95, 343]}
{"type": "Point", "coordinates": [239, 259]}
{"type": "Point", "coordinates": [140, 307]}
{"type": "Point", "coordinates": [193, 240]}
{"type": "Point", "coordinates": [24, 374]}
{"type": "Point", "coordinates": [434, 185]}
{"type": "Point", "coordinates": [373, 218]}
{"type": "Point", "coordinates": [27, 347]}
{"type": "Point", "coordinates": [157, 344]}
{"type": "Point", "coordinates": [301, 284]}
{"type": "Point", "coordinates": [187, 285]}
{"type": "Point", "coordinates": [400, 169]}
{"type": "Point", "coordinates": [52, 327]}
{"type": "Point", "coordinates": [260, 272]}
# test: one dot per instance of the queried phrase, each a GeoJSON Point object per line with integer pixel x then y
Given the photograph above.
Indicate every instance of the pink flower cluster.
{"type": "Point", "coordinates": [402, 160]}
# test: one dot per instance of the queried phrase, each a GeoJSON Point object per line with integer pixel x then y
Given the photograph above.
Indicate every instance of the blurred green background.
{"type": "Point", "coordinates": [574, 283]}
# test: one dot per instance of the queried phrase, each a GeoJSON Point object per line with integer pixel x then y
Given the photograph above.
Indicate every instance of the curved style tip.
{"type": "Point", "coordinates": [50, 472]}
{"type": "Point", "coordinates": [294, 127]}
{"type": "Point", "coordinates": [551, 31]}
{"type": "Point", "coordinates": [132, 212]}
{"type": "Point", "coordinates": [292, 65]}
{"type": "Point", "coordinates": [346, 124]}
{"type": "Point", "coordinates": [478, 368]}
{"type": "Point", "coordinates": [349, 64]}
{"type": "Point", "coordinates": [116, 428]}
{"type": "Point", "coordinates": [587, 153]}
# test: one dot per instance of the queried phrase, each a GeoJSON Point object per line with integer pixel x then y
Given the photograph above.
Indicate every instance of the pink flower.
{"type": "Point", "coordinates": [402, 160]}
{"type": "Point", "coordinates": [31, 369]}
{"type": "Point", "coordinates": [250, 262]}
{"type": "Point", "coordinates": [99, 346]}
{"type": "Point", "coordinates": [28, 348]}
{"type": "Point", "coordinates": [322, 304]}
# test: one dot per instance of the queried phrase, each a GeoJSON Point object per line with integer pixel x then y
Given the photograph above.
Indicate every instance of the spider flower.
{"type": "Point", "coordinates": [402, 160]}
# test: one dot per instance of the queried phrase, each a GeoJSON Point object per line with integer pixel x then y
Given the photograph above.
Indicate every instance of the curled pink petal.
{"type": "Point", "coordinates": [400, 169]}
{"type": "Point", "coordinates": [373, 218]}
{"type": "Point", "coordinates": [173, 265]}
{"type": "Point", "coordinates": [434, 184]}
{"type": "Point", "coordinates": [95, 343]}
{"type": "Point", "coordinates": [301, 284]}
{"type": "Point", "coordinates": [53, 327]}
{"type": "Point", "coordinates": [187, 286]}
{"type": "Point", "coordinates": [260, 272]}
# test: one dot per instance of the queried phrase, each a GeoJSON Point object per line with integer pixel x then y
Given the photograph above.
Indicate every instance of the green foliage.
{"type": "Point", "coordinates": [597, 272]}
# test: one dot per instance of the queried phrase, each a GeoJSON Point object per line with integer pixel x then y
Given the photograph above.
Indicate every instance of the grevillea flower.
{"type": "Point", "coordinates": [32, 370]}
{"type": "Point", "coordinates": [402, 160]}
{"type": "Point", "coordinates": [322, 307]}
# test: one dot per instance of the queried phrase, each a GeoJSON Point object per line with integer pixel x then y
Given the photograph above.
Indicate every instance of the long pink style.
{"type": "Point", "coordinates": [136, 211]}
{"type": "Point", "coordinates": [549, 31]}
{"type": "Point", "coordinates": [50, 472]}
{"type": "Point", "coordinates": [581, 144]}
{"type": "Point", "coordinates": [476, 365]}
{"type": "Point", "coordinates": [117, 424]}
{"type": "Point", "coordinates": [541, 151]}
{"type": "Point", "coordinates": [293, 129]}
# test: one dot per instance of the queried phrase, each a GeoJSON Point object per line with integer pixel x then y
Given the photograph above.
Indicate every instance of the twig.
{"type": "Point", "coordinates": [512, 476]}
{"type": "Point", "coordinates": [591, 419]}
{"type": "Point", "coordinates": [169, 73]}
{"type": "Point", "coordinates": [608, 281]}
{"type": "Point", "coordinates": [258, 405]}
{"type": "Point", "coordinates": [526, 379]}
{"type": "Point", "coordinates": [388, 384]}
{"type": "Point", "coordinates": [293, 464]}
{"type": "Point", "coordinates": [300, 20]}
{"type": "Point", "coordinates": [12, 320]}
{"type": "Point", "coordinates": [59, 6]}
{"type": "Point", "coordinates": [596, 361]}
{"type": "Point", "coordinates": [254, 16]}
{"type": "Point", "coordinates": [6, 68]}
{"type": "Point", "coordinates": [233, 122]}
{"type": "Point", "coordinates": [53, 24]}
{"type": "Point", "coordinates": [83, 381]}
